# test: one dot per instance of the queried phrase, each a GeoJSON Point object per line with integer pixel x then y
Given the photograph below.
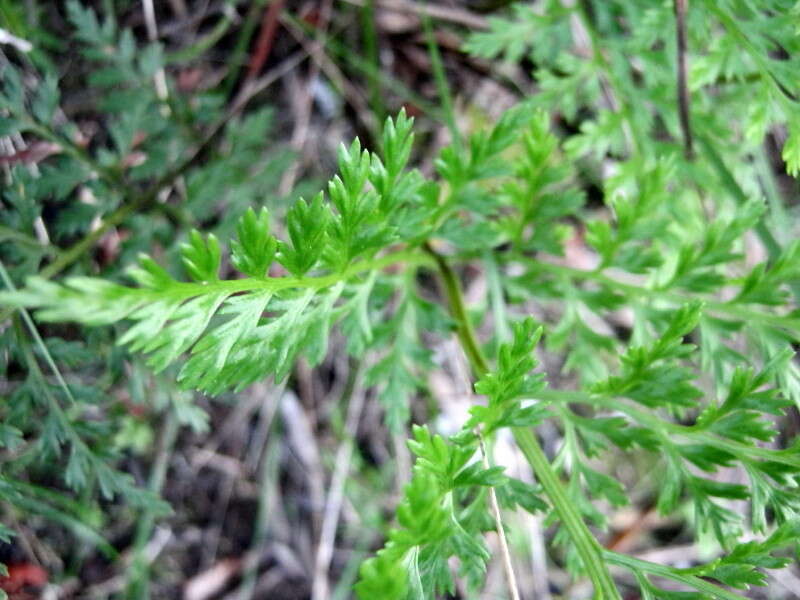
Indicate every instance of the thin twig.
{"type": "Point", "coordinates": [303, 443]}
{"type": "Point", "coordinates": [179, 8]}
{"type": "Point", "coordinates": [683, 89]}
{"type": "Point", "coordinates": [402, 459]}
{"type": "Point", "coordinates": [508, 567]}
{"type": "Point", "coordinates": [12, 40]}
{"type": "Point", "coordinates": [237, 423]}
{"type": "Point", "coordinates": [540, 586]}
{"type": "Point", "coordinates": [270, 399]}
{"type": "Point", "coordinates": [160, 77]}
{"type": "Point", "coordinates": [439, 12]}
{"type": "Point", "coordinates": [480, 367]}
{"type": "Point", "coordinates": [266, 38]}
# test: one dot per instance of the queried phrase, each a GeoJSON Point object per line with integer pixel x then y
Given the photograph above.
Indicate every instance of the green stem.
{"type": "Point", "coordinates": [18, 237]}
{"type": "Point", "coordinates": [190, 53]}
{"type": "Point", "coordinates": [133, 205]}
{"type": "Point", "coordinates": [74, 252]}
{"type": "Point", "coordinates": [236, 58]}
{"type": "Point", "coordinates": [440, 77]}
{"type": "Point", "coordinates": [74, 150]}
{"type": "Point", "coordinates": [738, 194]}
{"type": "Point", "coordinates": [366, 68]}
{"type": "Point", "coordinates": [729, 182]}
{"type": "Point", "coordinates": [188, 290]}
{"type": "Point", "coordinates": [455, 302]}
{"type": "Point", "coordinates": [587, 546]}
{"type": "Point", "coordinates": [702, 585]}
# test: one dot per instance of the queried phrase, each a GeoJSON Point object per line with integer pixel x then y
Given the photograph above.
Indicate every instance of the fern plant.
{"type": "Point", "coordinates": [699, 382]}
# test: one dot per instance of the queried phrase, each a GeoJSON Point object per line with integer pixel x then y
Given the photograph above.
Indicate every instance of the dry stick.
{"type": "Point", "coordinates": [320, 589]}
{"type": "Point", "coordinates": [435, 11]}
{"type": "Point", "coordinates": [213, 535]}
{"type": "Point", "coordinates": [237, 420]}
{"type": "Point", "coordinates": [179, 8]}
{"type": "Point", "coordinates": [193, 19]}
{"type": "Point", "coordinates": [266, 398]}
{"type": "Point", "coordinates": [402, 456]}
{"type": "Point", "coordinates": [304, 447]}
{"type": "Point", "coordinates": [270, 457]}
{"type": "Point", "coordinates": [540, 587]}
{"type": "Point", "coordinates": [270, 399]}
{"type": "Point", "coordinates": [160, 78]}
{"type": "Point", "coordinates": [683, 90]}
{"type": "Point", "coordinates": [18, 146]}
{"type": "Point", "coordinates": [508, 566]}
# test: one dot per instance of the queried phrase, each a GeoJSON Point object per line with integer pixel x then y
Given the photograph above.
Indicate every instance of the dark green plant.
{"type": "Point", "coordinates": [71, 188]}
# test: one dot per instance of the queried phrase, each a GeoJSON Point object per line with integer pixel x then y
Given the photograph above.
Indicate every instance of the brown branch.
{"type": "Point", "coordinates": [683, 90]}
{"type": "Point", "coordinates": [266, 37]}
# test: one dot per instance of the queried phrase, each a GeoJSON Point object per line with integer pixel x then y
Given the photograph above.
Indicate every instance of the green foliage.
{"type": "Point", "coordinates": [63, 426]}
{"type": "Point", "coordinates": [697, 384]}
{"type": "Point", "coordinates": [510, 383]}
{"type": "Point", "coordinates": [435, 514]}
{"type": "Point", "coordinates": [434, 522]}
{"type": "Point", "coordinates": [253, 251]}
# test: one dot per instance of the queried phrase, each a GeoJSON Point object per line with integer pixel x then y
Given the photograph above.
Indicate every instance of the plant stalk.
{"type": "Point", "coordinates": [683, 88]}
